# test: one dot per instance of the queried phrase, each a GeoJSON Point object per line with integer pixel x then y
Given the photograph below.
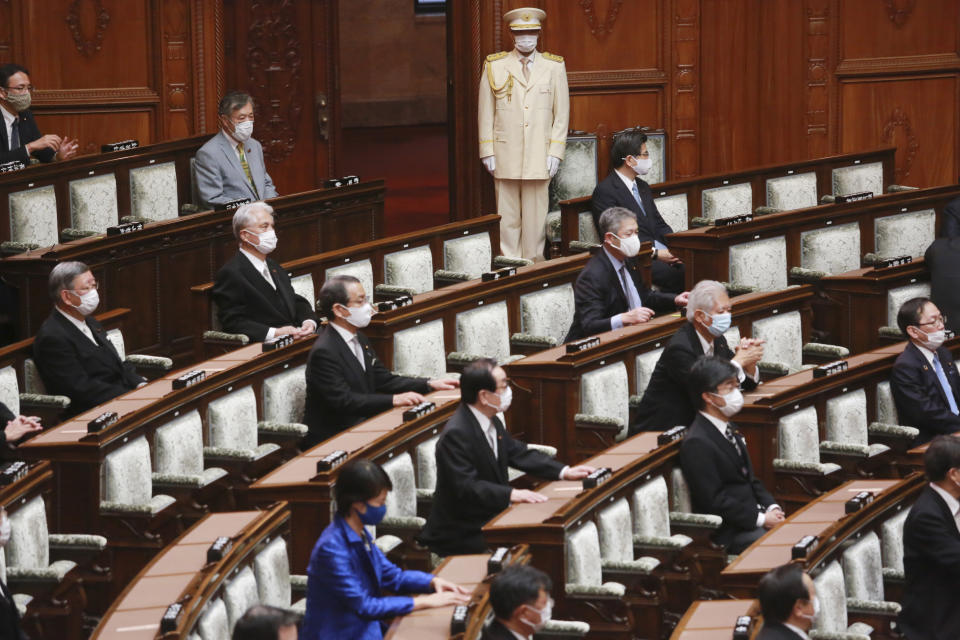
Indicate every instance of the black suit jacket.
{"type": "Point", "coordinates": [73, 366]}
{"type": "Point", "coordinates": [28, 133]}
{"type": "Point", "coordinates": [340, 393]}
{"type": "Point", "coordinates": [931, 560]}
{"type": "Point", "coordinates": [718, 484]}
{"type": "Point", "coordinates": [776, 631]}
{"type": "Point", "coordinates": [472, 485]}
{"type": "Point", "coordinates": [9, 616]}
{"type": "Point", "coordinates": [496, 631]}
{"type": "Point", "coordinates": [943, 260]}
{"type": "Point", "coordinates": [247, 304]}
{"type": "Point", "coordinates": [598, 296]}
{"type": "Point", "coordinates": [950, 219]}
{"type": "Point", "coordinates": [920, 399]}
{"type": "Point", "coordinates": [5, 416]}
{"type": "Point", "coordinates": [665, 402]}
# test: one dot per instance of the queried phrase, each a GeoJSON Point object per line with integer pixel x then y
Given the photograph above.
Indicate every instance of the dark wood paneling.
{"type": "Point", "coordinates": [911, 30]}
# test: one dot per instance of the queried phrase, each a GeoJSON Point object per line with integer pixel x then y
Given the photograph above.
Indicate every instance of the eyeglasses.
{"type": "Point", "coordinates": [939, 320]}
{"type": "Point", "coordinates": [21, 89]}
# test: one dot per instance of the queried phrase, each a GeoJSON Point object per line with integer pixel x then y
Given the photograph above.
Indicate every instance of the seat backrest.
{"type": "Point", "coordinates": [402, 500]}
{"type": "Point", "coordinates": [726, 201]}
{"type": "Point", "coordinates": [577, 175]}
{"type": "Point", "coordinates": [410, 269]}
{"type": "Point", "coordinates": [232, 420]}
{"type": "Point", "coordinates": [582, 550]}
{"type": "Point", "coordinates": [674, 211]}
{"type": "Point", "coordinates": [799, 436]}
{"type": "Point", "coordinates": [548, 312]}
{"type": "Point", "coordinates": [214, 624]}
{"type": "Point", "coordinates": [469, 254]}
{"type": "Point", "coordinates": [651, 511]}
{"type": "Point", "coordinates": [792, 192]}
{"type": "Point", "coordinates": [898, 295]}
{"type": "Point", "coordinates": [126, 475]}
{"type": "Point", "coordinates": [32, 381]}
{"type": "Point", "coordinates": [33, 216]}
{"type": "Point", "coordinates": [427, 464]}
{"type": "Point", "coordinates": [194, 191]}
{"type": "Point", "coordinates": [285, 395]}
{"type": "Point", "coordinates": [831, 249]}
{"type": "Point", "coordinates": [847, 418]}
{"type": "Point", "coordinates": [153, 192]}
{"type": "Point", "coordinates": [886, 407]}
{"type": "Point", "coordinates": [656, 147]}
{"type": "Point", "coordinates": [616, 532]}
{"type": "Point", "coordinates": [587, 228]}
{"type": "Point", "coordinates": [905, 234]}
{"type": "Point", "coordinates": [645, 364]}
{"type": "Point", "coordinates": [239, 594]}
{"type": "Point", "coordinates": [93, 203]}
{"type": "Point", "coordinates": [115, 336]}
{"type": "Point", "coordinates": [760, 263]}
{"type": "Point", "coordinates": [863, 568]}
{"type": "Point", "coordinates": [178, 446]}
{"type": "Point", "coordinates": [28, 547]}
{"type": "Point", "coordinates": [485, 331]}
{"type": "Point", "coordinates": [891, 538]}
{"type": "Point", "coordinates": [733, 337]}
{"type": "Point", "coordinates": [832, 594]}
{"type": "Point", "coordinates": [303, 286]}
{"type": "Point", "coordinates": [605, 392]}
{"type": "Point", "coordinates": [10, 390]}
{"type": "Point", "coordinates": [858, 178]}
{"type": "Point", "coordinates": [681, 501]}
{"type": "Point", "coordinates": [272, 570]}
{"type": "Point", "coordinates": [784, 338]}
{"type": "Point", "coordinates": [362, 270]}
{"type": "Point", "coordinates": [419, 350]}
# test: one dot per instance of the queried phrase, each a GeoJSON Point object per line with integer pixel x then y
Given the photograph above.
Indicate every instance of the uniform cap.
{"type": "Point", "coordinates": [525, 18]}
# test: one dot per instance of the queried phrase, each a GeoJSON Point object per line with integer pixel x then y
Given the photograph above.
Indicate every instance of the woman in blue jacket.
{"type": "Point", "coordinates": [348, 574]}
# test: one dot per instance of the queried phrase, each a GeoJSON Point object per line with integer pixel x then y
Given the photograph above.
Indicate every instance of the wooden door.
{"type": "Point", "coordinates": [283, 52]}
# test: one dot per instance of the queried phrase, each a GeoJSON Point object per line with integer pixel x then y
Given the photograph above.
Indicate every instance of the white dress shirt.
{"type": "Point", "coordinates": [490, 433]}
{"type": "Point", "coordinates": [264, 270]}
{"type": "Point", "coordinates": [952, 503]}
{"type": "Point", "coordinates": [8, 120]}
{"type": "Point", "coordinates": [616, 322]}
{"type": "Point", "coordinates": [79, 324]}
{"type": "Point", "coordinates": [630, 184]}
{"type": "Point", "coordinates": [352, 342]}
{"type": "Point", "coordinates": [708, 351]}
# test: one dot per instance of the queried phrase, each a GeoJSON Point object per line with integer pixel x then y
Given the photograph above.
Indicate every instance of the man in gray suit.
{"type": "Point", "coordinates": [230, 165]}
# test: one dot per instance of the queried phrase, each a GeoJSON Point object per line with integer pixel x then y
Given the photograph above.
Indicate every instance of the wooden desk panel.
{"type": "Point", "coordinates": [712, 619]}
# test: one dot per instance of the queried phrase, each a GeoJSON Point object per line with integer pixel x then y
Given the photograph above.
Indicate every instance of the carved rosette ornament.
{"type": "Point", "coordinates": [274, 65]}
{"type": "Point", "coordinates": [601, 31]}
{"type": "Point", "coordinates": [87, 46]}
{"type": "Point", "coordinates": [899, 120]}
{"type": "Point", "coordinates": [899, 10]}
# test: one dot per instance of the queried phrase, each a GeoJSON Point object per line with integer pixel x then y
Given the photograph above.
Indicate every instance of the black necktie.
{"type": "Point", "coordinates": [15, 135]}
{"type": "Point", "coordinates": [728, 433]}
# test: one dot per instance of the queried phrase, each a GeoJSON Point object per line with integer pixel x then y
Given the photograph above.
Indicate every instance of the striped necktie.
{"type": "Point", "coordinates": [246, 169]}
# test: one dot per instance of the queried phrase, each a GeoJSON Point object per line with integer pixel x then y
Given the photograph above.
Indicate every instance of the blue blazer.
{"type": "Point", "coordinates": [345, 583]}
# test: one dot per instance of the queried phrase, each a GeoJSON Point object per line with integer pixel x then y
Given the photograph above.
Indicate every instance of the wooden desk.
{"type": "Point", "coordinates": [151, 271]}
{"type": "Point", "coordinates": [713, 619]}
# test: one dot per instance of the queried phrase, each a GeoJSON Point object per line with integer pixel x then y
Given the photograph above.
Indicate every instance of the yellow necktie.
{"type": "Point", "coordinates": [246, 169]}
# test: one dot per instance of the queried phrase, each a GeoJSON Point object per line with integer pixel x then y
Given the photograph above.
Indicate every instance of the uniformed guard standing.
{"type": "Point", "coordinates": [523, 115]}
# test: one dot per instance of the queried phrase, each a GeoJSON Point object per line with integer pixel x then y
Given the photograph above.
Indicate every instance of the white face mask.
{"type": "Point", "coordinates": [545, 615]}
{"type": "Point", "coordinates": [720, 322]}
{"type": "Point", "coordinates": [5, 530]}
{"type": "Point", "coordinates": [525, 44]}
{"type": "Point", "coordinates": [816, 610]}
{"type": "Point", "coordinates": [88, 302]}
{"type": "Point", "coordinates": [360, 316]}
{"type": "Point", "coordinates": [267, 240]}
{"type": "Point", "coordinates": [629, 246]}
{"type": "Point", "coordinates": [643, 166]}
{"type": "Point", "coordinates": [733, 402]}
{"type": "Point", "coordinates": [242, 130]}
{"type": "Point", "coordinates": [504, 398]}
{"type": "Point", "coordinates": [933, 340]}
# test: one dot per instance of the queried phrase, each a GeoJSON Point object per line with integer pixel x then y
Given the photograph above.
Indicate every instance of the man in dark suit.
{"type": "Point", "coordinates": [14, 428]}
{"type": "Point", "coordinates": [716, 462]}
{"type": "Point", "coordinates": [71, 349]}
{"type": "Point", "coordinates": [473, 454]}
{"type": "Point", "coordinates": [924, 380]}
{"type": "Point", "coordinates": [346, 383]}
{"type": "Point", "coordinates": [9, 616]}
{"type": "Point", "coordinates": [521, 602]}
{"type": "Point", "coordinates": [931, 548]}
{"type": "Point", "coordinates": [788, 599]}
{"type": "Point", "coordinates": [609, 293]}
{"type": "Point", "coordinates": [625, 188]}
{"type": "Point", "coordinates": [20, 138]}
{"type": "Point", "coordinates": [950, 219]}
{"type": "Point", "coordinates": [943, 261]}
{"type": "Point", "coordinates": [252, 292]}
{"type": "Point", "coordinates": [666, 402]}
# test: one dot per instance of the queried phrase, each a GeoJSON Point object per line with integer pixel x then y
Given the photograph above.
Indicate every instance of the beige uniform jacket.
{"type": "Point", "coordinates": [521, 122]}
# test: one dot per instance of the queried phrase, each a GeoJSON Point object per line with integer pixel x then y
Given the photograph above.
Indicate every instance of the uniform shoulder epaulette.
{"type": "Point", "coordinates": [497, 56]}
{"type": "Point", "coordinates": [552, 56]}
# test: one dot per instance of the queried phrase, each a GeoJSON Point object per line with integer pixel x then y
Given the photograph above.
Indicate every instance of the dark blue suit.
{"type": "Point", "coordinates": [345, 582]}
{"type": "Point", "coordinates": [919, 397]}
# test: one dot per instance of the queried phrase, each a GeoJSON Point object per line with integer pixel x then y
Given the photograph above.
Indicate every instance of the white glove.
{"type": "Point", "coordinates": [490, 163]}
{"type": "Point", "coordinates": [553, 164]}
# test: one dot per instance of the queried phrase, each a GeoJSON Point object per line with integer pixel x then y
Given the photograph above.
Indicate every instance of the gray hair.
{"type": "Point", "coordinates": [243, 217]}
{"type": "Point", "coordinates": [233, 101]}
{"type": "Point", "coordinates": [612, 218]}
{"type": "Point", "coordinates": [703, 297]}
{"type": "Point", "coordinates": [62, 277]}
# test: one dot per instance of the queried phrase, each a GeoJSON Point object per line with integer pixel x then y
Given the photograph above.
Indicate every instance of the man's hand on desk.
{"type": "Point", "coordinates": [440, 586]}
{"type": "Point", "coordinates": [636, 316]}
{"type": "Point", "coordinates": [577, 473]}
{"type": "Point", "coordinates": [308, 328]}
{"type": "Point", "coordinates": [407, 399]}
{"type": "Point", "coordinates": [48, 141]}
{"type": "Point", "coordinates": [664, 255]}
{"type": "Point", "coordinates": [21, 426]}
{"type": "Point", "coordinates": [443, 384]}
{"type": "Point", "coordinates": [286, 331]}
{"type": "Point", "coordinates": [525, 495]}
{"type": "Point", "coordinates": [772, 518]}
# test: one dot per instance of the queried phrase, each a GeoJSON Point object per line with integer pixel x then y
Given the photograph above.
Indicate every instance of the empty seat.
{"type": "Point", "coordinates": [759, 265]}
{"type": "Point", "coordinates": [466, 258]}
{"type": "Point", "coordinates": [863, 576]}
{"type": "Point", "coordinates": [645, 364]}
{"type": "Point", "coordinates": [233, 429]}
{"type": "Point", "coordinates": [419, 350]}
{"type": "Point", "coordinates": [484, 331]}
{"type": "Point", "coordinates": [545, 316]}
{"type": "Point", "coordinates": [153, 192]}
{"type": "Point", "coordinates": [674, 211]}
{"type": "Point", "coordinates": [178, 454]}
{"type": "Point", "coordinates": [402, 500]}
{"type": "Point", "coordinates": [303, 286]}
{"type": "Point", "coordinates": [847, 426]}
{"type": "Point", "coordinates": [410, 270]}
{"type": "Point", "coordinates": [239, 594]}
{"type": "Point", "coordinates": [127, 481]}
{"type": "Point", "coordinates": [362, 270]}
{"type": "Point", "coordinates": [214, 623]}
{"type": "Point", "coordinates": [272, 571]}
{"type": "Point", "coordinates": [616, 540]}
{"type": "Point", "coordinates": [891, 538]}
{"type": "Point", "coordinates": [27, 553]}
{"type": "Point", "coordinates": [792, 192]}
{"type": "Point", "coordinates": [831, 250]}
{"type": "Point", "coordinates": [605, 397]}
{"type": "Point", "coordinates": [799, 437]}
{"type": "Point", "coordinates": [651, 516]}
{"type": "Point", "coordinates": [93, 205]}
{"type": "Point", "coordinates": [858, 178]}
{"type": "Point", "coordinates": [888, 422]}
{"type": "Point", "coordinates": [284, 396]}
{"type": "Point", "coordinates": [832, 593]}
{"type": "Point", "coordinates": [33, 219]}
{"type": "Point", "coordinates": [904, 234]}
{"type": "Point", "coordinates": [584, 575]}
{"type": "Point", "coordinates": [784, 349]}
{"type": "Point", "coordinates": [20, 600]}
{"type": "Point", "coordinates": [727, 201]}
{"type": "Point", "coordinates": [10, 390]}
{"type": "Point", "coordinates": [577, 175]}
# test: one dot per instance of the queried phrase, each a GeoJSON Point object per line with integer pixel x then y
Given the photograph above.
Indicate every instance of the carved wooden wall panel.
{"type": "Point", "coordinates": [916, 33]}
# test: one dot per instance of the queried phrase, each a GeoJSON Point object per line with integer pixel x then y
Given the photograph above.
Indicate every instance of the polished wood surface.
{"type": "Point", "coordinates": [709, 619]}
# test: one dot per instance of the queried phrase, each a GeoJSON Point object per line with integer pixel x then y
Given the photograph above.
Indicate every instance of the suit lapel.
{"type": "Point", "coordinates": [931, 376]}
{"type": "Point", "coordinates": [724, 444]}
{"type": "Point", "coordinates": [694, 340]}
{"type": "Point", "coordinates": [230, 153]}
{"type": "Point", "coordinates": [256, 278]}
{"type": "Point", "coordinates": [626, 195]}
{"type": "Point", "coordinates": [950, 372]}
{"type": "Point", "coordinates": [482, 445]}
{"type": "Point", "coordinates": [348, 356]}
{"type": "Point", "coordinates": [538, 70]}
{"type": "Point", "coordinates": [611, 272]}
{"type": "Point", "coordinates": [286, 294]}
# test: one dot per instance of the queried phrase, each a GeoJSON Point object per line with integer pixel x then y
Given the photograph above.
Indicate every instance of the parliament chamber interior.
{"type": "Point", "coordinates": [173, 450]}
